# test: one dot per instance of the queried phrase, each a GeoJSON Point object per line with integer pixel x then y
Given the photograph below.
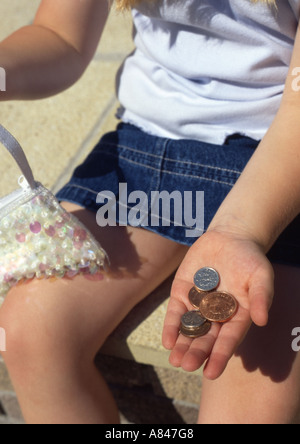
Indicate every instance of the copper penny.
{"type": "Point", "coordinates": [195, 297]}
{"type": "Point", "coordinates": [218, 306]}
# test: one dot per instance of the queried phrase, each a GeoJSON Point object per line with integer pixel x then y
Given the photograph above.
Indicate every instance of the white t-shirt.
{"type": "Point", "coordinates": [205, 69]}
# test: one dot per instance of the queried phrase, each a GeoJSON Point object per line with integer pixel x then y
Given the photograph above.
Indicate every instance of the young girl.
{"type": "Point", "coordinates": [210, 102]}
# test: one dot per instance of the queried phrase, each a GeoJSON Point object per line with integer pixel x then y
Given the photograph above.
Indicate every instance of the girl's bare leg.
{"type": "Point", "coordinates": [261, 384]}
{"type": "Point", "coordinates": [54, 329]}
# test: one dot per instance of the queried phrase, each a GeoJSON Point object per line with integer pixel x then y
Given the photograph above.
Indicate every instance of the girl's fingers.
{"type": "Point", "coordinates": [176, 310]}
{"type": "Point", "coordinates": [177, 307]}
{"type": "Point", "coordinates": [200, 350]}
{"type": "Point", "coordinates": [230, 336]}
{"type": "Point", "coordinates": [190, 354]}
{"type": "Point", "coordinates": [261, 293]}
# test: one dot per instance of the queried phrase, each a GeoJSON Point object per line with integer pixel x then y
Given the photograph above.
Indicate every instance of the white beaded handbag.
{"type": "Point", "coordinates": [38, 238]}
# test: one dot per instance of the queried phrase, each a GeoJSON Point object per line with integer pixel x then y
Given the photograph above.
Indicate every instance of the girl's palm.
{"type": "Point", "coordinates": [246, 273]}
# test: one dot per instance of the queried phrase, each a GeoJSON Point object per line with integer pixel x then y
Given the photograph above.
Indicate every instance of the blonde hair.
{"type": "Point", "coordinates": [126, 4]}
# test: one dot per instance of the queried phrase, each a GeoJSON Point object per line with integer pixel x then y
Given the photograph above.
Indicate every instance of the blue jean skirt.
{"type": "Point", "coordinates": [170, 187]}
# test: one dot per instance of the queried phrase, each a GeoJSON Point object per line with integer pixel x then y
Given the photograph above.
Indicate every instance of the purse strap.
{"type": "Point", "coordinates": [15, 149]}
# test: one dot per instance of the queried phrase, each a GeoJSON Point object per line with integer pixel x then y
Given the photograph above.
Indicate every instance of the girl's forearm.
{"type": "Point", "coordinates": [38, 63]}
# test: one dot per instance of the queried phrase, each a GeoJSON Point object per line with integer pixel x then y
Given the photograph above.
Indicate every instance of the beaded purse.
{"type": "Point", "coordinates": [38, 238]}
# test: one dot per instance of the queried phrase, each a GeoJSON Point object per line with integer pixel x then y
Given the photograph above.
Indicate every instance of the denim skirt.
{"type": "Point", "coordinates": [170, 187]}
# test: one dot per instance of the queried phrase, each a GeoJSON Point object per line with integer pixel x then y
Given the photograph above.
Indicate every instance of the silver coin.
{"type": "Point", "coordinates": [192, 320]}
{"type": "Point", "coordinates": [207, 279]}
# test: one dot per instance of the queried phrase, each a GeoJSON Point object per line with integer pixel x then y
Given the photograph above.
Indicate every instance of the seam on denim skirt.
{"type": "Point", "coordinates": [74, 185]}
{"type": "Point", "coordinates": [177, 174]}
{"type": "Point", "coordinates": [169, 159]}
{"type": "Point", "coordinates": [171, 172]}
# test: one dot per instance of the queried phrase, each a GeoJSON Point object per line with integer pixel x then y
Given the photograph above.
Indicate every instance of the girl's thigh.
{"type": "Point", "coordinates": [83, 311]}
{"type": "Point", "coordinates": [262, 381]}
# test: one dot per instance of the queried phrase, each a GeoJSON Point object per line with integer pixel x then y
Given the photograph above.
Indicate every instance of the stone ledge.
{"type": "Point", "coordinates": [139, 337]}
{"type": "Point", "coordinates": [135, 364]}
{"type": "Point", "coordinates": [151, 395]}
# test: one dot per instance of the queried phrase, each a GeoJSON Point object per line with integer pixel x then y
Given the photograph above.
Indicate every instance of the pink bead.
{"type": "Point", "coordinates": [80, 234]}
{"type": "Point", "coordinates": [7, 278]}
{"type": "Point", "coordinates": [94, 277]}
{"type": "Point", "coordinates": [66, 217]}
{"type": "Point", "coordinates": [78, 245]}
{"type": "Point", "coordinates": [72, 273]}
{"type": "Point", "coordinates": [59, 223]}
{"type": "Point", "coordinates": [43, 267]}
{"type": "Point", "coordinates": [50, 231]}
{"type": "Point", "coordinates": [35, 228]}
{"type": "Point", "coordinates": [21, 237]}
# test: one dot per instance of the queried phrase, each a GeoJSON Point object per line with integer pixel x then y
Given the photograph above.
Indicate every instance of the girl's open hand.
{"type": "Point", "coordinates": [246, 273]}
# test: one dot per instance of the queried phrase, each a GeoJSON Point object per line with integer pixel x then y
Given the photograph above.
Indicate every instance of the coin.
{"type": "Point", "coordinates": [206, 279]}
{"type": "Point", "coordinates": [195, 297]}
{"type": "Point", "coordinates": [192, 320]}
{"type": "Point", "coordinates": [196, 332]}
{"type": "Point", "coordinates": [218, 306]}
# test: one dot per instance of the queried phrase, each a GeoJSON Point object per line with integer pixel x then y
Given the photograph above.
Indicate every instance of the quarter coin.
{"type": "Point", "coordinates": [218, 306]}
{"type": "Point", "coordinates": [206, 279]}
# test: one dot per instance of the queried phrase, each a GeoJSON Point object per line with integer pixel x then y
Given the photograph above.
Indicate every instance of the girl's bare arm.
{"type": "Point", "coordinates": [267, 196]}
{"type": "Point", "coordinates": [50, 55]}
{"type": "Point", "coordinates": [263, 202]}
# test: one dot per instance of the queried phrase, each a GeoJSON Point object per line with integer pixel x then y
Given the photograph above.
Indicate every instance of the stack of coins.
{"type": "Point", "coordinates": [194, 325]}
{"type": "Point", "coordinates": [211, 305]}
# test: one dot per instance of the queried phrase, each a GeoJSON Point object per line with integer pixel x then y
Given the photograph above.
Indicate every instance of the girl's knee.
{"type": "Point", "coordinates": [37, 328]}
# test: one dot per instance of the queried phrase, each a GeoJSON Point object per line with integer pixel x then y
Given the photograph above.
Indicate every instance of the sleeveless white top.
{"type": "Point", "coordinates": [205, 69]}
